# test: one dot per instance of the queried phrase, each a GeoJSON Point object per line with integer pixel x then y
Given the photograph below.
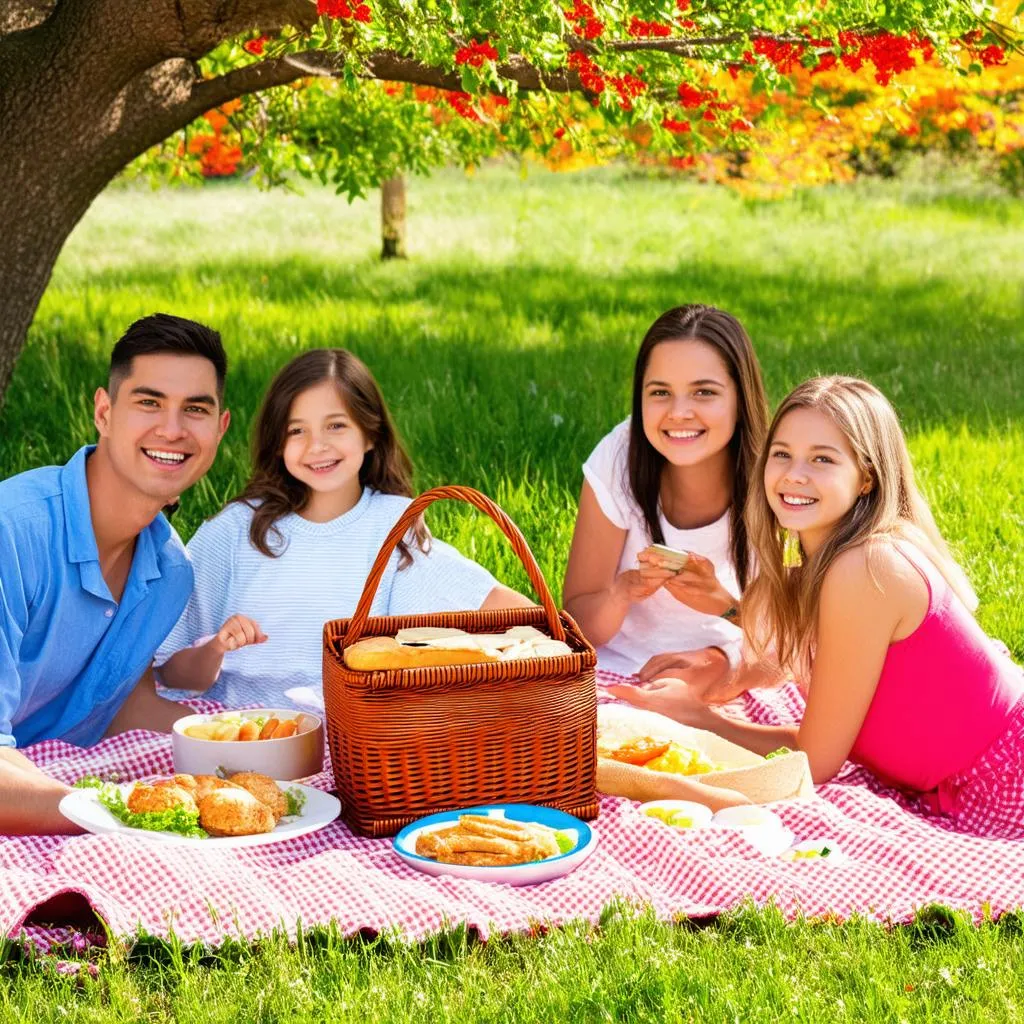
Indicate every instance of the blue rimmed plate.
{"type": "Point", "coordinates": [514, 874]}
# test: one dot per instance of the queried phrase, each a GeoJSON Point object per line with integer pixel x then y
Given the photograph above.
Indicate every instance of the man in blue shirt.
{"type": "Point", "coordinates": [92, 576]}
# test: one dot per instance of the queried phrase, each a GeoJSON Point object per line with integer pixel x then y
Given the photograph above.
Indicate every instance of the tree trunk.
{"type": "Point", "coordinates": [392, 218]}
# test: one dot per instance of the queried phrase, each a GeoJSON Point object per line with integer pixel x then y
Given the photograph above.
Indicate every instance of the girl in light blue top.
{"type": "Point", "coordinates": [330, 479]}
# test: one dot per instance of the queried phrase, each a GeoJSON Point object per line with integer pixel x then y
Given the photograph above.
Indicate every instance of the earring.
{"type": "Point", "coordinates": [792, 553]}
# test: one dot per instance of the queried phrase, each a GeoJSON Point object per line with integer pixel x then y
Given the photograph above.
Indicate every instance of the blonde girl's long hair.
{"type": "Point", "coordinates": [781, 604]}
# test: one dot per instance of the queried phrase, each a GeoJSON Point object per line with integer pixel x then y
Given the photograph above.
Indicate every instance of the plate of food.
{"type": "Point", "coordinates": [513, 844]}
{"type": "Point", "coordinates": [243, 809]}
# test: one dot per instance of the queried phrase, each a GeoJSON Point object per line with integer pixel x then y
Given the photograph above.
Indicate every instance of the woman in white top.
{"type": "Point", "coordinates": [675, 473]}
{"type": "Point", "coordinates": [330, 479]}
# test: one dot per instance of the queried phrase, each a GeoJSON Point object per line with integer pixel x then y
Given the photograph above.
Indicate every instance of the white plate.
{"type": "Point", "coordinates": [82, 806]}
{"type": "Point", "coordinates": [515, 874]}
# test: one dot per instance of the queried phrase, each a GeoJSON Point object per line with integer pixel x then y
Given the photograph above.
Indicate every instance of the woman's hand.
{"type": "Point", "coordinates": [707, 671]}
{"type": "Point", "coordinates": [696, 585]}
{"type": "Point", "coordinates": [636, 585]}
{"type": "Point", "coordinates": [670, 697]}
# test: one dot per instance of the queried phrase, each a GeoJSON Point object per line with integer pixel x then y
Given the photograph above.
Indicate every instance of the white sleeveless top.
{"type": "Point", "coordinates": [661, 623]}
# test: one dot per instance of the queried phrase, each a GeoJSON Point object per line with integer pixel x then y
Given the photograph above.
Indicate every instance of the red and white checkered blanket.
{"type": "Point", "coordinates": [898, 862]}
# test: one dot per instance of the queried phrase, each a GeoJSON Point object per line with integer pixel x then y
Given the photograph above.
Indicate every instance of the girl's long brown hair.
{"type": "Point", "coordinates": [724, 333]}
{"type": "Point", "coordinates": [780, 606]}
{"type": "Point", "coordinates": [272, 492]}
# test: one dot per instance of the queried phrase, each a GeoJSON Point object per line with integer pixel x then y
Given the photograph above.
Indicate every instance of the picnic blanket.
{"type": "Point", "coordinates": [898, 862]}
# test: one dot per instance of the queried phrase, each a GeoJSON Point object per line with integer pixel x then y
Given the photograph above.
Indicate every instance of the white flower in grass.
{"type": "Point", "coordinates": [556, 420]}
{"type": "Point", "coordinates": [947, 976]}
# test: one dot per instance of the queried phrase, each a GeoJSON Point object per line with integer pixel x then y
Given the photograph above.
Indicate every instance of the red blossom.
{"type": "Point", "coordinates": [992, 55]}
{"type": "Point", "coordinates": [343, 10]}
{"type": "Point", "coordinates": [590, 74]}
{"type": "Point", "coordinates": [585, 24]}
{"type": "Point", "coordinates": [748, 57]}
{"type": "Point", "coordinates": [475, 54]}
{"type": "Point", "coordinates": [889, 54]}
{"type": "Point", "coordinates": [683, 6]}
{"type": "Point", "coordinates": [681, 163]}
{"type": "Point", "coordinates": [826, 62]}
{"type": "Point", "coordinates": [462, 104]}
{"type": "Point", "coordinates": [677, 127]}
{"type": "Point", "coordinates": [639, 29]}
{"type": "Point", "coordinates": [688, 23]}
{"type": "Point", "coordinates": [628, 89]}
{"type": "Point", "coordinates": [255, 46]}
{"type": "Point", "coordinates": [741, 124]}
{"type": "Point", "coordinates": [559, 133]}
{"type": "Point", "coordinates": [783, 55]}
{"type": "Point", "coordinates": [708, 115]}
{"type": "Point", "coordinates": [692, 97]}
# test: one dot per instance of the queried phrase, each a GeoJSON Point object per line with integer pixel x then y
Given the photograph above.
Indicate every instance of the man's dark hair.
{"type": "Point", "coordinates": [162, 333]}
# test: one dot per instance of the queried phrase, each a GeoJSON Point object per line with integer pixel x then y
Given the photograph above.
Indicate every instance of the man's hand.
{"type": "Point", "coordinates": [29, 798]}
{"type": "Point", "coordinates": [238, 632]}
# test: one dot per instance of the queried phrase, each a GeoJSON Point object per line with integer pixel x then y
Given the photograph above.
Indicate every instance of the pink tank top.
{"type": "Point", "coordinates": [944, 696]}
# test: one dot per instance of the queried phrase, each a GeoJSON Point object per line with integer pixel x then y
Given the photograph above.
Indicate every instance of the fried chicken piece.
{"type": "Point", "coordinates": [207, 784]}
{"type": "Point", "coordinates": [161, 797]}
{"type": "Point", "coordinates": [185, 781]}
{"type": "Point", "coordinates": [233, 811]}
{"type": "Point", "coordinates": [263, 788]}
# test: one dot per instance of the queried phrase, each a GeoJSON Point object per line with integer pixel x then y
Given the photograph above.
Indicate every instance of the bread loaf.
{"type": "Point", "coordinates": [385, 652]}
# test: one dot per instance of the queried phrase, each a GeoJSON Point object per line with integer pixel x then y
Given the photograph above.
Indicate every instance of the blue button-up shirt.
{"type": "Point", "coordinates": [69, 653]}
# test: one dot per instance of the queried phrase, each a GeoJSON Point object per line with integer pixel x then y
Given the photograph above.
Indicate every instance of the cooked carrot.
{"type": "Point", "coordinates": [268, 729]}
{"type": "Point", "coordinates": [250, 731]}
{"type": "Point", "coordinates": [285, 729]}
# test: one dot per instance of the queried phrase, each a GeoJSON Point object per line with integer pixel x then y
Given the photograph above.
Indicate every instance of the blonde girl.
{"type": "Point", "coordinates": [878, 619]}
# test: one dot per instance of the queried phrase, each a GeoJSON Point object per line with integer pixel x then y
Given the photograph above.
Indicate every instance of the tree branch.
{"type": "Point", "coordinates": [18, 15]}
{"type": "Point", "coordinates": [205, 24]}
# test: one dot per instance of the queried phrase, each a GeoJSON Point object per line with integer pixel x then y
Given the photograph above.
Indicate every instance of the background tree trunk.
{"type": "Point", "coordinates": [392, 218]}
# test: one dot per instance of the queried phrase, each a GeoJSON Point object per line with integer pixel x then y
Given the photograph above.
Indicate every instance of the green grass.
{"type": "Point", "coordinates": [749, 967]}
{"type": "Point", "coordinates": [504, 347]}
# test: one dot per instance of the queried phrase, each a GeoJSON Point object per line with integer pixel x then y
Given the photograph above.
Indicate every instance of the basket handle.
{"type": "Point", "coordinates": [402, 527]}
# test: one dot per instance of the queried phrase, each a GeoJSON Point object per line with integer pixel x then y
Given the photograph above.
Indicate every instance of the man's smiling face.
{"type": "Point", "coordinates": [161, 427]}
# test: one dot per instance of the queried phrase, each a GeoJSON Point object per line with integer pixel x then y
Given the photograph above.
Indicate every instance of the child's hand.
{"type": "Point", "coordinates": [239, 631]}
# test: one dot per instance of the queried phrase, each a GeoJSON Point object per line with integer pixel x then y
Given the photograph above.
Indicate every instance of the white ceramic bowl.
{"type": "Point", "coordinates": [762, 828]}
{"type": "Point", "coordinates": [293, 757]}
{"type": "Point", "coordinates": [698, 813]}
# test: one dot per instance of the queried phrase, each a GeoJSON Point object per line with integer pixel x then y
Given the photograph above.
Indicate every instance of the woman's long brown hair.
{"type": "Point", "coordinates": [725, 334]}
{"type": "Point", "coordinates": [272, 492]}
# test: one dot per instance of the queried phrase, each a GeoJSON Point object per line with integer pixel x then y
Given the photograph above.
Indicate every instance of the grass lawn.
{"type": "Point", "coordinates": [504, 347]}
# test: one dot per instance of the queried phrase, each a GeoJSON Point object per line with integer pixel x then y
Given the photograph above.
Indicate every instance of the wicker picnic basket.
{"type": "Point", "coordinates": [405, 743]}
